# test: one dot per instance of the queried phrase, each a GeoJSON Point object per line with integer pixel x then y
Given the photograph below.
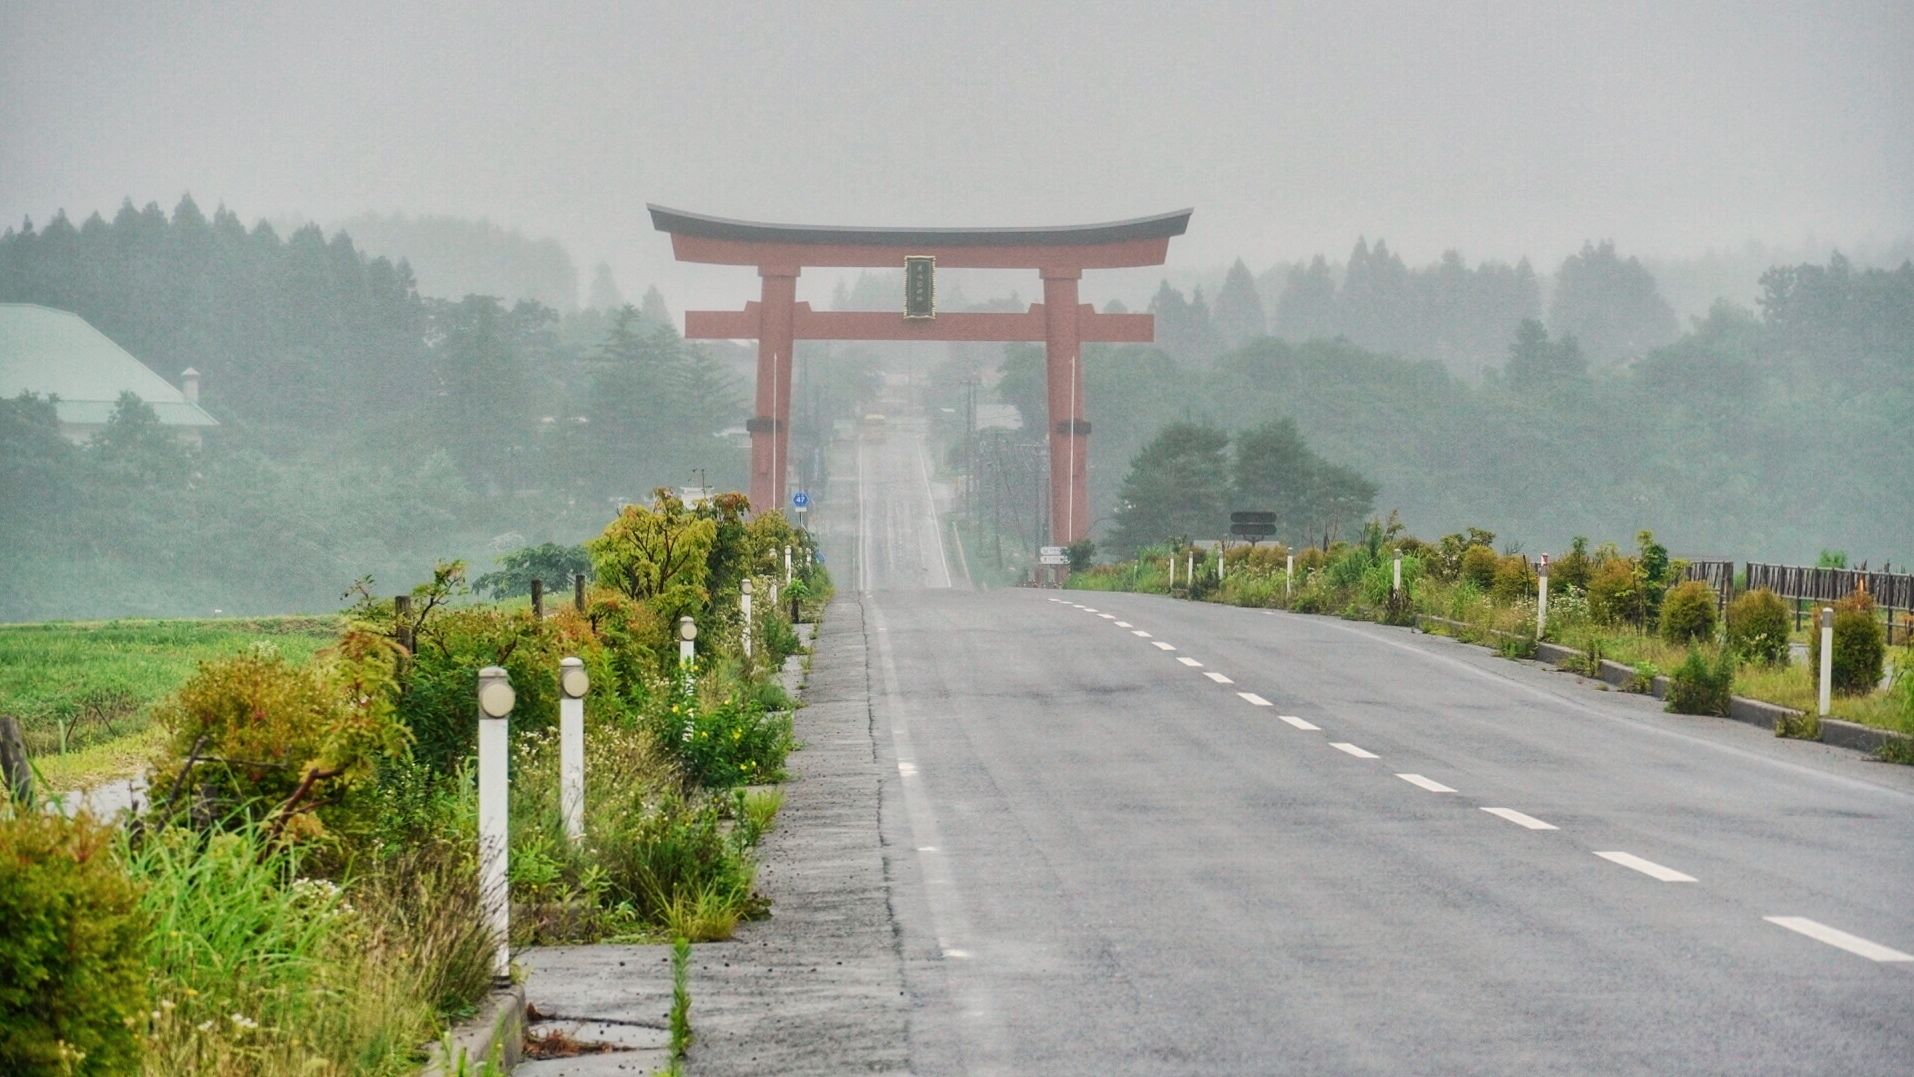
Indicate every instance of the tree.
{"type": "Point", "coordinates": [1610, 305]}
{"type": "Point", "coordinates": [1276, 471]}
{"type": "Point", "coordinates": [658, 554]}
{"type": "Point", "coordinates": [1239, 310]}
{"type": "Point", "coordinates": [603, 294]}
{"type": "Point", "coordinates": [550, 563]}
{"type": "Point", "coordinates": [1178, 487]}
{"type": "Point", "coordinates": [1535, 362]}
{"type": "Point", "coordinates": [1307, 309]}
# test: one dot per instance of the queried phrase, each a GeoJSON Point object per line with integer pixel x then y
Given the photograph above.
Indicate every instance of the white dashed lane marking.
{"type": "Point", "coordinates": [1162, 646]}
{"type": "Point", "coordinates": [1191, 662]}
{"type": "Point", "coordinates": [1421, 782]}
{"type": "Point", "coordinates": [1255, 700]}
{"type": "Point", "coordinates": [1139, 632]}
{"type": "Point", "coordinates": [1646, 867]}
{"type": "Point", "coordinates": [1853, 944]}
{"type": "Point", "coordinates": [1299, 723]}
{"type": "Point", "coordinates": [1218, 678]}
{"type": "Point", "coordinates": [1108, 616]}
{"type": "Point", "coordinates": [1123, 624]}
{"type": "Point", "coordinates": [1519, 818]}
{"type": "Point", "coordinates": [1352, 750]}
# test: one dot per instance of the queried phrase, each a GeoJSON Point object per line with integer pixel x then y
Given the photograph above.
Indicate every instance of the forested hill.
{"type": "Point", "coordinates": [1764, 434]}
{"type": "Point", "coordinates": [364, 428]}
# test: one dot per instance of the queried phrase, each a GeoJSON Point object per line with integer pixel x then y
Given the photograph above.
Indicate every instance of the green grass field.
{"type": "Point", "coordinates": [85, 690]}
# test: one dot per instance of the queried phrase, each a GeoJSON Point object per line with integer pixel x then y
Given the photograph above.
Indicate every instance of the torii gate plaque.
{"type": "Point", "coordinates": [777, 321]}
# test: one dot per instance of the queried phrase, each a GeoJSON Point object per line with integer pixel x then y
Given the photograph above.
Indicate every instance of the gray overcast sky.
{"type": "Point", "coordinates": [1499, 129]}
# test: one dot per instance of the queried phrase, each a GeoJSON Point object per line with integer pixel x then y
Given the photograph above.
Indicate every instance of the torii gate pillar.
{"type": "Point", "coordinates": [770, 425]}
{"type": "Point", "coordinates": [1069, 433]}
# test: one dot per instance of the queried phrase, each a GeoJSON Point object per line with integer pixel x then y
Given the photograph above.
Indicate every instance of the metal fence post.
{"type": "Point", "coordinates": [573, 683]}
{"type": "Point", "coordinates": [1827, 658]}
{"type": "Point", "coordinates": [1541, 599]}
{"type": "Point", "coordinates": [495, 700]}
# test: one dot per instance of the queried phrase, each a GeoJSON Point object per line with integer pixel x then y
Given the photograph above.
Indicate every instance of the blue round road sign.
{"type": "Point", "coordinates": [801, 499]}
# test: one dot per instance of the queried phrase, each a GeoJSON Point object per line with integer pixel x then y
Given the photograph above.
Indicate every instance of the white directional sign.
{"type": "Point", "coordinates": [1050, 551]}
{"type": "Point", "coordinates": [1054, 559]}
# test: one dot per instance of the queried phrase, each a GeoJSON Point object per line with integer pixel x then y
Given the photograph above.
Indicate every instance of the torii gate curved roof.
{"type": "Point", "coordinates": [697, 237]}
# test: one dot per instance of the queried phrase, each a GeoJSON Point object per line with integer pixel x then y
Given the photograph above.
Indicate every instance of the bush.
{"type": "Point", "coordinates": [254, 734]}
{"type": "Point", "coordinates": [1688, 613]}
{"type": "Point", "coordinates": [1758, 628]}
{"type": "Point", "coordinates": [1514, 579]}
{"type": "Point", "coordinates": [1478, 567]}
{"type": "Point", "coordinates": [1615, 595]}
{"type": "Point", "coordinates": [73, 992]}
{"type": "Point", "coordinates": [438, 704]}
{"type": "Point", "coordinates": [1860, 646]}
{"type": "Point", "coordinates": [1697, 687]}
{"type": "Point", "coordinates": [1573, 569]}
{"type": "Point", "coordinates": [734, 742]}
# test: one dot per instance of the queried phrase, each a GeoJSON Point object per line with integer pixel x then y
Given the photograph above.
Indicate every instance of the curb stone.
{"type": "Point", "coordinates": [500, 1021]}
{"type": "Point", "coordinates": [1755, 712]}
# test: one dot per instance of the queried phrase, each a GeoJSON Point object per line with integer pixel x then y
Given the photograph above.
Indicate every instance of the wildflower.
{"type": "Point", "coordinates": [243, 1021]}
{"type": "Point", "coordinates": [206, 1025]}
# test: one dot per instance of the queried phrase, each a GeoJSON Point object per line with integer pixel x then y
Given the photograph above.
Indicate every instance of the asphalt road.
{"type": "Point", "coordinates": [1152, 836]}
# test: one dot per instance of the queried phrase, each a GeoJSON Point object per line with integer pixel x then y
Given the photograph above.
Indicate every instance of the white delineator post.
{"type": "Point", "coordinates": [1395, 586]}
{"type": "Point", "coordinates": [687, 648]}
{"type": "Point", "coordinates": [744, 608]}
{"type": "Point", "coordinates": [1189, 569]}
{"type": "Point", "coordinates": [1172, 570]}
{"type": "Point", "coordinates": [1221, 555]}
{"type": "Point", "coordinates": [572, 686]}
{"type": "Point", "coordinates": [787, 566]}
{"type": "Point", "coordinates": [1541, 599]}
{"type": "Point", "coordinates": [1827, 659]}
{"type": "Point", "coordinates": [1289, 570]}
{"type": "Point", "coordinates": [495, 700]}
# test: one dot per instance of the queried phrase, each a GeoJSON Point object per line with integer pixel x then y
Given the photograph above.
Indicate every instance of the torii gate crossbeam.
{"type": "Point", "coordinates": [777, 320]}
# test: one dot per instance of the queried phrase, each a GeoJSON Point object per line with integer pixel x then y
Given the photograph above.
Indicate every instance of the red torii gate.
{"type": "Point", "coordinates": [777, 321]}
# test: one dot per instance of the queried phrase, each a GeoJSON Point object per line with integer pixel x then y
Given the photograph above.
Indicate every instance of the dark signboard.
{"type": "Point", "coordinates": [920, 286]}
{"type": "Point", "coordinates": [1252, 524]}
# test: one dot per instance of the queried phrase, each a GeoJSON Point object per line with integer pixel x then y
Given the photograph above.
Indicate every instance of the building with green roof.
{"type": "Point", "coordinates": [58, 354]}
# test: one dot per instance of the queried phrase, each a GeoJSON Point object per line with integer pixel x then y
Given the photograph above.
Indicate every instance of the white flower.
{"type": "Point", "coordinates": [243, 1021]}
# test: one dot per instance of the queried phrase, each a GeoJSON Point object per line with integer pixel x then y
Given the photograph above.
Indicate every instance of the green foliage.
{"type": "Point", "coordinates": [1573, 569]}
{"type": "Point", "coordinates": [657, 555]}
{"type": "Point", "coordinates": [1700, 687]}
{"type": "Point", "coordinates": [73, 987]}
{"type": "Point", "coordinates": [1514, 579]}
{"type": "Point", "coordinates": [1860, 646]}
{"type": "Point", "coordinates": [681, 1037]}
{"type": "Point", "coordinates": [1653, 569]}
{"type": "Point", "coordinates": [1758, 627]}
{"type": "Point", "coordinates": [1178, 487]}
{"type": "Point", "coordinates": [1688, 613]}
{"type": "Point", "coordinates": [550, 563]}
{"type": "Point", "coordinates": [1276, 471]}
{"type": "Point", "coordinates": [438, 704]}
{"type": "Point", "coordinates": [1901, 749]}
{"type": "Point", "coordinates": [1081, 553]}
{"type": "Point", "coordinates": [1615, 593]}
{"type": "Point", "coordinates": [736, 741]}
{"type": "Point", "coordinates": [261, 738]}
{"type": "Point", "coordinates": [1479, 565]}
{"type": "Point", "coordinates": [1832, 559]}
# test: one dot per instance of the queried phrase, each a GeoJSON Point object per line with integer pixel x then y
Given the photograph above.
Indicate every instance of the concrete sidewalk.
{"type": "Point", "coordinates": [816, 987]}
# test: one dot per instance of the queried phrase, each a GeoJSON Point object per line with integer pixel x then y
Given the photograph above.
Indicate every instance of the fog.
{"type": "Point", "coordinates": [1500, 130]}
{"type": "Point", "coordinates": [1551, 272]}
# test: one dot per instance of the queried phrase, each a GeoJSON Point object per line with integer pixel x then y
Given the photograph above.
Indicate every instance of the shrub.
{"type": "Point", "coordinates": [1901, 749]}
{"type": "Point", "coordinates": [1688, 613]}
{"type": "Point", "coordinates": [1573, 569]}
{"type": "Point", "coordinates": [1698, 687]}
{"type": "Point", "coordinates": [1615, 595]}
{"type": "Point", "coordinates": [736, 741]}
{"type": "Point", "coordinates": [1758, 627]}
{"type": "Point", "coordinates": [1514, 579]}
{"type": "Point", "coordinates": [438, 702]}
{"type": "Point", "coordinates": [1860, 646]}
{"type": "Point", "coordinates": [255, 734]}
{"type": "Point", "coordinates": [1478, 567]}
{"type": "Point", "coordinates": [73, 989]}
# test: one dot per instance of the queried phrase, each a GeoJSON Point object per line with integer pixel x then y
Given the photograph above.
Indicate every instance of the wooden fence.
{"type": "Point", "coordinates": [1890, 590]}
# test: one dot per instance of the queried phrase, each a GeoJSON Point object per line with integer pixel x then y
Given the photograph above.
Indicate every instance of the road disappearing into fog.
{"type": "Point", "coordinates": [1128, 834]}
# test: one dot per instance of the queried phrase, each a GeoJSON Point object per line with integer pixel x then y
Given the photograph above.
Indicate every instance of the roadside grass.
{"type": "Point", "coordinates": [89, 687]}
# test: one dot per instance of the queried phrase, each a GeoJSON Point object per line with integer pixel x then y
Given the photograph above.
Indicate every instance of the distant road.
{"type": "Point", "coordinates": [1161, 837]}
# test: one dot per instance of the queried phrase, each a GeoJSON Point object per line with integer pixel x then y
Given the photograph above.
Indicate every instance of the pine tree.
{"type": "Point", "coordinates": [1239, 310]}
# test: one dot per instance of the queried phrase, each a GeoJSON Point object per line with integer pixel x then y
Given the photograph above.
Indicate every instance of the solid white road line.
{"type": "Point", "coordinates": [1255, 700]}
{"type": "Point", "coordinates": [1139, 632]}
{"type": "Point", "coordinates": [1520, 819]}
{"type": "Point", "coordinates": [1359, 753]}
{"type": "Point", "coordinates": [1646, 867]}
{"type": "Point", "coordinates": [1191, 662]}
{"type": "Point", "coordinates": [1853, 944]}
{"type": "Point", "coordinates": [1218, 678]}
{"type": "Point", "coordinates": [1299, 723]}
{"type": "Point", "coordinates": [1123, 624]}
{"type": "Point", "coordinates": [1421, 782]}
{"type": "Point", "coordinates": [1161, 646]}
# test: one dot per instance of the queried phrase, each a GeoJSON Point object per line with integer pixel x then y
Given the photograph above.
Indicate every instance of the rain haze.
{"type": "Point", "coordinates": [1498, 130]}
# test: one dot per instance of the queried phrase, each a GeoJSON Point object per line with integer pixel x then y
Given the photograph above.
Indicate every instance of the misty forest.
{"type": "Point", "coordinates": [368, 427]}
